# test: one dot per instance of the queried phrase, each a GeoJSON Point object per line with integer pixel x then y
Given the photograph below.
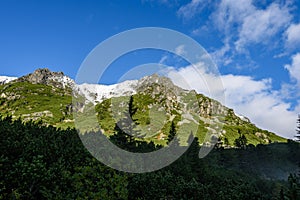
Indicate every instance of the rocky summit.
{"type": "Point", "coordinates": [45, 76]}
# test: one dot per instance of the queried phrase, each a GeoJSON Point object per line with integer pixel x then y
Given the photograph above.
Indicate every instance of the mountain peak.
{"type": "Point", "coordinates": [46, 71]}
{"type": "Point", "coordinates": [47, 77]}
{"type": "Point", "coordinates": [41, 74]}
{"type": "Point", "coordinates": [155, 79]}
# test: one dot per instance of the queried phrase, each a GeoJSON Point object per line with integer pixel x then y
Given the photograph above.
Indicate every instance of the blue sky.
{"type": "Point", "coordinates": [255, 44]}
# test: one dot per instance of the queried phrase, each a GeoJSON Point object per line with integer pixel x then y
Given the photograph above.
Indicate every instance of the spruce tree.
{"type": "Point", "coordinates": [131, 108]}
{"type": "Point", "coordinates": [172, 132]}
{"type": "Point", "coordinates": [241, 141]}
{"type": "Point", "coordinates": [298, 129]}
{"type": "Point", "coordinates": [125, 129]}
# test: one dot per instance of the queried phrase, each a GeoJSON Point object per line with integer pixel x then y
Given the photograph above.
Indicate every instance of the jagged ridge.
{"type": "Point", "coordinates": [43, 86]}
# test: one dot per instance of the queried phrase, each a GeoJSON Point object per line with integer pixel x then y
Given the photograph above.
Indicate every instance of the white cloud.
{"type": "Point", "coordinates": [189, 10]}
{"type": "Point", "coordinates": [196, 77]}
{"type": "Point", "coordinates": [173, 59]}
{"type": "Point", "coordinates": [291, 91]}
{"type": "Point", "coordinates": [252, 98]}
{"type": "Point", "coordinates": [260, 26]}
{"type": "Point", "coordinates": [264, 106]}
{"type": "Point", "coordinates": [180, 50]}
{"type": "Point", "coordinates": [221, 54]}
{"type": "Point", "coordinates": [245, 24]}
{"type": "Point", "coordinates": [294, 68]}
{"type": "Point", "coordinates": [293, 36]}
{"type": "Point", "coordinates": [230, 12]}
{"type": "Point", "coordinates": [241, 23]}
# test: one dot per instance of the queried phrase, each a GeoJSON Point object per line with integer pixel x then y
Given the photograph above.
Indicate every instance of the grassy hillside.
{"type": "Point", "coordinates": [156, 124]}
{"type": "Point", "coordinates": [153, 115]}
{"type": "Point", "coordinates": [36, 102]}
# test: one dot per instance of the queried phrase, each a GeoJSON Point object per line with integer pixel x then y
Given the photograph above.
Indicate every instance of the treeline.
{"type": "Point", "coordinates": [39, 162]}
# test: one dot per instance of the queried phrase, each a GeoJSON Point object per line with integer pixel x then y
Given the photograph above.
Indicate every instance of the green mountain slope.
{"type": "Point", "coordinates": [36, 102]}
{"type": "Point", "coordinates": [157, 104]}
{"type": "Point", "coordinates": [155, 111]}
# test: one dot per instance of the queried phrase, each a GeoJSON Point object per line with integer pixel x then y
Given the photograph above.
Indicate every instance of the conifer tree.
{"type": "Point", "coordinates": [241, 141]}
{"type": "Point", "coordinates": [298, 129]}
{"type": "Point", "coordinates": [172, 132]}
{"type": "Point", "coordinates": [131, 108]}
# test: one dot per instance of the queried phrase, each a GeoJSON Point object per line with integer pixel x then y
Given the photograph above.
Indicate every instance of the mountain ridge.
{"type": "Point", "coordinates": [95, 93]}
{"type": "Point", "coordinates": [44, 86]}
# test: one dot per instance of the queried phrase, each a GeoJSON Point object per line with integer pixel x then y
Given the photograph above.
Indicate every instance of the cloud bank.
{"type": "Point", "coordinates": [254, 99]}
{"type": "Point", "coordinates": [245, 28]}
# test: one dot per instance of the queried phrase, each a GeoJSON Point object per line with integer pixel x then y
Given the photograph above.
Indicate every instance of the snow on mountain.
{"type": "Point", "coordinates": [64, 80]}
{"type": "Point", "coordinates": [97, 93]}
{"type": "Point", "coordinates": [242, 117]}
{"type": "Point", "coordinates": [6, 79]}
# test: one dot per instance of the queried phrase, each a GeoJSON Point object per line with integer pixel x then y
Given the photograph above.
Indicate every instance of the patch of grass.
{"type": "Point", "coordinates": [27, 100]}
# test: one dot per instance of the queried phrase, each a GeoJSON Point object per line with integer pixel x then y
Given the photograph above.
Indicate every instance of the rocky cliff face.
{"type": "Point", "coordinates": [163, 90]}
{"type": "Point", "coordinates": [45, 76]}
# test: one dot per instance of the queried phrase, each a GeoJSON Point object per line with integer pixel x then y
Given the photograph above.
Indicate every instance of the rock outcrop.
{"type": "Point", "coordinates": [46, 77]}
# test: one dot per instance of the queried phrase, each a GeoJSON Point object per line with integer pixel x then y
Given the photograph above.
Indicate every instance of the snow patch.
{"type": "Point", "coordinates": [64, 80]}
{"type": "Point", "coordinates": [6, 79]}
{"type": "Point", "coordinates": [242, 117]}
{"type": "Point", "coordinates": [97, 93]}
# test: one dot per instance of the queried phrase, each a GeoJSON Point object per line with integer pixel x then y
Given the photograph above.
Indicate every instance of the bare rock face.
{"type": "Point", "coordinates": [160, 88]}
{"type": "Point", "coordinates": [164, 90]}
{"type": "Point", "coordinates": [46, 77]}
{"type": "Point", "coordinates": [162, 84]}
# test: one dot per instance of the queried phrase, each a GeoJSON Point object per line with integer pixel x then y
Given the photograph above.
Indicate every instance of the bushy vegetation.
{"type": "Point", "coordinates": [39, 162]}
{"type": "Point", "coordinates": [30, 101]}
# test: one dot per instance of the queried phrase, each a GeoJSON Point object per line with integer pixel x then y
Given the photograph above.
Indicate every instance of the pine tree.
{"type": "Point", "coordinates": [125, 129]}
{"type": "Point", "coordinates": [294, 185]}
{"type": "Point", "coordinates": [298, 129]}
{"type": "Point", "coordinates": [131, 109]}
{"type": "Point", "coordinates": [172, 132]}
{"type": "Point", "coordinates": [241, 141]}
